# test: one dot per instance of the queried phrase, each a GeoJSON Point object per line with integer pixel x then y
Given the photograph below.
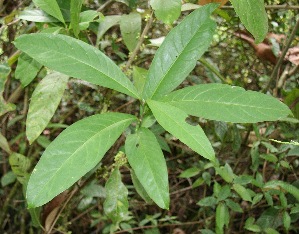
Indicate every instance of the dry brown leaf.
{"type": "Point", "coordinates": [204, 2]}
{"type": "Point", "coordinates": [293, 55]}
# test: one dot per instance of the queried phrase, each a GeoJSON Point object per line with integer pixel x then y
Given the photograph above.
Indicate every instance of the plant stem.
{"type": "Point", "coordinates": [282, 56]}
{"type": "Point", "coordinates": [137, 48]}
{"type": "Point", "coordinates": [212, 69]}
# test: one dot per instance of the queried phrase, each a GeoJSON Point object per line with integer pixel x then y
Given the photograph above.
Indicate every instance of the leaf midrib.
{"type": "Point", "coordinates": [178, 57]}
{"type": "Point", "coordinates": [83, 62]}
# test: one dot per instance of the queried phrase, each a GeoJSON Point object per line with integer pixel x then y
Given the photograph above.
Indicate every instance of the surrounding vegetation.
{"type": "Point", "coordinates": [134, 116]}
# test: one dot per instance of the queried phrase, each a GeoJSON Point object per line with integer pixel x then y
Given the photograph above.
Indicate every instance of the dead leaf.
{"type": "Point", "coordinates": [293, 55]}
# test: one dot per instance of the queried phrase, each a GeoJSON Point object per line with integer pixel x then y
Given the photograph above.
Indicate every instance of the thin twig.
{"type": "Point", "coordinates": [141, 39]}
{"type": "Point", "coordinates": [282, 56]}
{"type": "Point", "coordinates": [102, 7]}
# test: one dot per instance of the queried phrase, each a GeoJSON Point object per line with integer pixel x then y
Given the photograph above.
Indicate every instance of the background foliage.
{"type": "Point", "coordinates": [254, 188]}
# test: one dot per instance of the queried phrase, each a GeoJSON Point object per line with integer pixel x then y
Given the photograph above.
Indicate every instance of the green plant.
{"type": "Point", "coordinates": [81, 147]}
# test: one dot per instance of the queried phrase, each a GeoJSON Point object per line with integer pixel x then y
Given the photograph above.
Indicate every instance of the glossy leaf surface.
{"type": "Point", "coordinates": [173, 120]}
{"type": "Point", "coordinates": [130, 27]}
{"type": "Point", "coordinates": [227, 103]}
{"type": "Point", "coordinates": [146, 158]}
{"type": "Point", "coordinates": [27, 69]}
{"type": "Point", "coordinates": [116, 204]}
{"type": "Point", "coordinates": [253, 15]}
{"type": "Point", "coordinates": [44, 102]}
{"type": "Point", "coordinates": [178, 54]}
{"type": "Point", "coordinates": [73, 153]}
{"type": "Point", "coordinates": [167, 11]}
{"type": "Point", "coordinates": [51, 7]}
{"type": "Point", "coordinates": [77, 59]}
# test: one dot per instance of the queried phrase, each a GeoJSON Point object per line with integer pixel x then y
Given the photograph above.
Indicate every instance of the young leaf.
{"type": "Point", "coordinates": [167, 11]}
{"type": "Point", "coordinates": [27, 69]}
{"type": "Point", "coordinates": [51, 7]}
{"type": "Point", "coordinates": [44, 101]}
{"type": "Point", "coordinates": [227, 103]}
{"type": "Point", "coordinates": [173, 120]}
{"type": "Point", "coordinates": [254, 17]}
{"type": "Point", "coordinates": [178, 54]}
{"type": "Point", "coordinates": [147, 160]}
{"type": "Point", "coordinates": [75, 15]}
{"type": "Point", "coordinates": [72, 154]}
{"type": "Point", "coordinates": [116, 204]}
{"type": "Point", "coordinates": [4, 107]}
{"type": "Point", "coordinates": [77, 59]}
{"type": "Point", "coordinates": [130, 27]}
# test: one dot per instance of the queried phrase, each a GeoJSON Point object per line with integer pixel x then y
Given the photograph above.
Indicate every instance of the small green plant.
{"type": "Point", "coordinates": [81, 146]}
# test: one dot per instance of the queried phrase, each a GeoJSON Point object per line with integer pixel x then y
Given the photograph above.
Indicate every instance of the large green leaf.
{"type": "Point", "coordinates": [51, 7]}
{"type": "Point", "coordinates": [167, 11]}
{"type": "Point", "coordinates": [27, 69]}
{"type": "Point", "coordinates": [227, 103]}
{"type": "Point", "coordinates": [253, 15]}
{"type": "Point", "coordinates": [4, 107]}
{"type": "Point", "coordinates": [146, 158]}
{"type": "Point", "coordinates": [178, 54]}
{"type": "Point", "coordinates": [73, 153]}
{"type": "Point", "coordinates": [116, 204]}
{"type": "Point", "coordinates": [77, 59]}
{"type": "Point", "coordinates": [36, 16]}
{"type": "Point", "coordinates": [44, 101]}
{"type": "Point", "coordinates": [174, 121]}
{"type": "Point", "coordinates": [130, 27]}
{"type": "Point", "coordinates": [75, 15]}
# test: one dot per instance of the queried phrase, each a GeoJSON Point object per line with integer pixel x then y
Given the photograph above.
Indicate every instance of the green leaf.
{"type": "Point", "coordinates": [130, 27]}
{"type": "Point", "coordinates": [253, 15]}
{"type": "Point", "coordinates": [233, 205]}
{"type": "Point", "coordinates": [77, 59]}
{"type": "Point", "coordinates": [281, 185]}
{"type": "Point", "coordinates": [8, 178]}
{"type": "Point", "coordinates": [178, 54]}
{"type": "Point", "coordinates": [139, 77]}
{"type": "Point", "coordinates": [222, 217]}
{"type": "Point", "coordinates": [77, 150]}
{"type": "Point", "coordinates": [4, 107]}
{"type": "Point", "coordinates": [269, 157]}
{"type": "Point", "coordinates": [243, 192]}
{"type": "Point", "coordinates": [140, 189]}
{"type": "Point", "coordinates": [286, 220]}
{"type": "Point", "coordinates": [249, 225]}
{"type": "Point", "coordinates": [27, 69]}
{"type": "Point", "coordinates": [44, 101]}
{"type": "Point", "coordinates": [207, 201]}
{"type": "Point", "coordinates": [88, 16]}
{"type": "Point", "coordinates": [226, 173]}
{"type": "Point", "coordinates": [4, 144]}
{"type": "Point", "coordinates": [173, 120]}
{"type": "Point", "coordinates": [224, 193]}
{"type": "Point", "coordinates": [116, 204]}
{"type": "Point", "coordinates": [146, 158]}
{"type": "Point", "coordinates": [51, 7]}
{"type": "Point", "coordinates": [20, 165]}
{"type": "Point", "coordinates": [190, 172]}
{"type": "Point", "coordinates": [75, 15]}
{"type": "Point", "coordinates": [36, 16]}
{"type": "Point", "coordinates": [167, 11]}
{"type": "Point", "coordinates": [109, 21]}
{"type": "Point", "coordinates": [227, 103]}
